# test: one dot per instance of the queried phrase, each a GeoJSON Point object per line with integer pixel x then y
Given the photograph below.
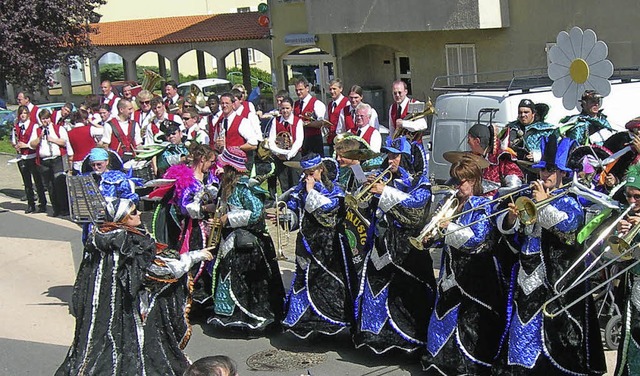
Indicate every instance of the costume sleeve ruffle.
{"type": "Point", "coordinates": [472, 237]}
{"type": "Point", "coordinates": [563, 214]}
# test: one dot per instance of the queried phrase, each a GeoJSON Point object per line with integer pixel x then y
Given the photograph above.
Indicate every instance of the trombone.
{"type": "Point", "coordinates": [281, 209]}
{"type": "Point", "coordinates": [365, 194]}
{"type": "Point", "coordinates": [629, 253]}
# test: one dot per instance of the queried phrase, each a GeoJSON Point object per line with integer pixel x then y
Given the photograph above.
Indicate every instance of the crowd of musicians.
{"type": "Point", "coordinates": [524, 222]}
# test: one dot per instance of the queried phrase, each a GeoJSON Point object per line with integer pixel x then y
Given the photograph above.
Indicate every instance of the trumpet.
{"type": "Point", "coordinates": [619, 244]}
{"type": "Point", "coordinates": [215, 235]}
{"type": "Point", "coordinates": [365, 194]}
{"type": "Point", "coordinates": [432, 229]}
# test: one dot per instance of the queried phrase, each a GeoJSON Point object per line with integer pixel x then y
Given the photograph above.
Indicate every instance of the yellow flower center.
{"type": "Point", "coordinates": [579, 71]}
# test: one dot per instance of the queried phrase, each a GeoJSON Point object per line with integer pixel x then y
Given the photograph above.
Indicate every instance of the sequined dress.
{"type": "Point", "coordinates": [129, 304]}
{"type": "Point", "coordinates": [570, 343]}
{"type": "Point", "coordinates": [397, 288]}
{"type": "Point", "coordinates": [248, 291]}
{"type": "Point", "coordinates": [469, 314]}
{"type": "Point", "coordinates": [320, 299]}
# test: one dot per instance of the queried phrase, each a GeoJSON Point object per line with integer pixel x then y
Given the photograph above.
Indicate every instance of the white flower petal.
{"type": "Point", "coordinates": [559, 56]}
{"type": "Point", "coordinates": [570, 99]}
{"type": "Point", "coordinates": [599, 52]}
{"type": "Point", "coordinates": [603, 69]}
{"type": "Point", "coordinates": [557, 71]}
{"type": "Point", "coordinates": [588, 41]}
{"type": "Point", "coordinates": [560, 86]}
{"type": "Point", "coordinates": [601, 85]}
{"type": "Point", "coordinates": [576, 41]}
{"type": "Point", "coordinates": [564, 43]}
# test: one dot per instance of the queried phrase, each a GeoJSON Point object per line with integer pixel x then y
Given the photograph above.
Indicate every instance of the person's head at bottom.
{"type": "Point", "coordinates": [218, 365]}
{"type": "Point", "coordinates": [122, 211]}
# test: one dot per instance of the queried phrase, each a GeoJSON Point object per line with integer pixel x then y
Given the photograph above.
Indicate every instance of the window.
{"type": "Point", "coordinates": [403, 70]}
{"type": "Point", "coordinates": [461, 60]}
{"type": "Point", "coordinates": [255, 56]}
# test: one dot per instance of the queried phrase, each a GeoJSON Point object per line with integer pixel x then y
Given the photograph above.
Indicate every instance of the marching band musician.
{"type": "Point", "coordinates": [286, 137]}
{"type": "Point", "coordinates": [347, 119]}
{"type": "Point", "coordinates": [247, 287]}
{"type": "Point", "coordinates": [181, 218]}
{"type": "Point", "coordinates": [314, 111]}
{"type": "Point", "coordinates": [399, 110]}
{"type": "Point", "coordinates": [537, 343]}
{"type": "Point", "coordinates": [502, 170]}
{"type": "Point", "coordinates": [467, 322]}
{"type": "Point", "coordinates": [364, 129]}
{"type": "Point", "coordinates": [590, 124]}
{"type": "Point", "coordinates": [628, 362]}
{"type": "Point", "coordinates": [397, 287]}
{"type": "Point", "coordinates": [143, 114]}
{"type": "Point", "coordinates": [320, 299]}
{"type": "Point", "coordinates": [338, 102]}
{"type": "Point", "coordinates": [159, 121]}
{"type": "Point", "coordinates": [122, 134]}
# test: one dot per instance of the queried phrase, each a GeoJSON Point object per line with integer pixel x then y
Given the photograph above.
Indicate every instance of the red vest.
{"type": "Point", "coordinates": [394, 111]}
{"type": "Point", "coordinates": [349, 124]}
{"type": "Point", "coordinates": [24, 137]}
{"type": "Point", "coordinates": [367, 134]}
{"type": "Point", "coordinates": [334, 116]}
{"type": "Point", "coordinates": [291, 129]}
{"type": "Point", "coordinates": [245, 110]}
{"type": "Point", "coordinates": [137, 116]}
{"type": "Point", "coordinates": [111, 101]}
{"type": "Point", "coordinates": [126, 143]}
{"type": "Point", "coordinates": [81, 142]}
{"type": "Point", "coordinates": [154, 127]}
{"type": "Point", "coordinates": [308, 131]}
{"type": "Point", "coordinates": [56, 130]}
{"type": "Point", "coordinates": [213, 129]}
{"type": "Point", "coordinates": [33, 115]}
{"type": "Point", "coordinates": [232, 135]}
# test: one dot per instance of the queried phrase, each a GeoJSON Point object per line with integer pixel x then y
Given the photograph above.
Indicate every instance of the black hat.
{"type": "Point", "coordinates": [527, 103]}
{"type": "Point", "coordinates": [482, 132]}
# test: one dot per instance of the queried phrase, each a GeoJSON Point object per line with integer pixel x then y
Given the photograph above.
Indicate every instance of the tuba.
{"type": "Point", "coordinates": [429, 109]}
{"type": "Point", "coordinates": [150, 80]}
{"type": "Point", "coordinates": [196, 96]}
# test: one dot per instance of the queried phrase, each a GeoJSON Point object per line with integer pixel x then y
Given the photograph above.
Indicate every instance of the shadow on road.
{"type": "Point", "coordinates": [15, 193]}
{"type": "Point", "coordinates": [13, 206]}
{"type": "Point", "coordinates": [63, 293]}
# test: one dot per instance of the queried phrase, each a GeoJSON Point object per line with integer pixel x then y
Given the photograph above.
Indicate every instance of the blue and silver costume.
{"type": "Point", "coordinates": [397, 287]}
{"type": "Point", "coordinates": [568, 343]}
{"type": "Point", "coordinates": [469, 315]}
{"type": "Point", "coordinates": [320, 299]}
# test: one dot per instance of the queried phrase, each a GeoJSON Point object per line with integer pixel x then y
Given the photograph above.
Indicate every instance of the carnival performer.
{"type": "Point", "coordinates": [128, 303]}
{"type": "Point", "coordinates": [525, 134]}
{"type": "Point", "coordinates": [397, 288]}
{"type": "Point", "coordinates": [181, 218]}
{"type": "Point", "coordinates": [538, 343]}
{"type": "Point", "coordinates": [469, 314]}
{"type": "Point", "coordinates": [248, 291]}
{"type": "Point", "coordinates": [502, 174]}
{"type": "Point", "coordinates": [628, 362]}
{"type": "Point", "coordinates": [590, 126]}
{"type": "Point", "coordinates": [320, 299]}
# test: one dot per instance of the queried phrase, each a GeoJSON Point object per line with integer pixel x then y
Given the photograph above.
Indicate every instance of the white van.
{"type": "Point", "coordinates": [457, 111]}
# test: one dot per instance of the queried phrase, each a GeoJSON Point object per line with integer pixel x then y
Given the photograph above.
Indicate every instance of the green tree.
{"type": "Point", "coordinates": [38, 36]}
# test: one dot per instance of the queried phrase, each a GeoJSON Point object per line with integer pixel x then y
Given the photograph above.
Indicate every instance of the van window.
{"type": "Point", "coordinates": [216, 89]}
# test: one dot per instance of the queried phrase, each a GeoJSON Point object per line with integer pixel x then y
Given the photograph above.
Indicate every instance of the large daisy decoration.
{"type": "Point", "coordinates": [578, 63]}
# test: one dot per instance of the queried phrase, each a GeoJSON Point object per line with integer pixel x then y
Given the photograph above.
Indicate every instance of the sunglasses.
{"type": "Point", "coordinates": [186, 118]}
{"type": "Point", "coordinates": [550, 169]}
{"type": "Point", "coordinates": [135, 212]}
{"type": "Point", "coordinates": [635, 197]}
{"type": "Point", "coordinates": [145, 102]}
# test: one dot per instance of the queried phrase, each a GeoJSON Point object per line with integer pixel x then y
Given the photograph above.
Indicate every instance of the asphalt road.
{"type": "Point", "coordinates": [39, 257]}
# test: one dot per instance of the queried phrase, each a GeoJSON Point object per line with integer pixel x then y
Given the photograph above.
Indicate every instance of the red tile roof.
{"type": "Point", "coordinates": [185, 29]}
